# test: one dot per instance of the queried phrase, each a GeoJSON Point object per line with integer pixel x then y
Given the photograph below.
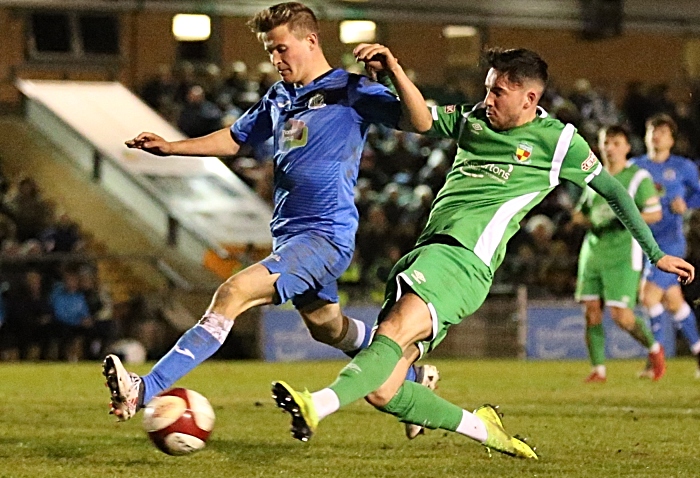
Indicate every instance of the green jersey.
{"type": "Point", "coordinates": [498, 176]}
{"type": "Point", "coordinates": [608, 241]}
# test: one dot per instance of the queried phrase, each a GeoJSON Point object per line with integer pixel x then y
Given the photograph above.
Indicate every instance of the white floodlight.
{"type": "Point", "coordinates": [191, 27]}
{"type": "Point", "coordinates": [357, 31]}
{"type": "Point", "coordinates": [459, 31]}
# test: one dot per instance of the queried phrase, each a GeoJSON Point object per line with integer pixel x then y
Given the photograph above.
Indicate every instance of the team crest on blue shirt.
{"type": "Point", "coordinates": [295, 134]}
{"type": "Point", "coordinates": [317, 101]}
{"type": "Point", "coordinates": [669, 174]}
{"type": "Point", "coordinates": [523, 152]}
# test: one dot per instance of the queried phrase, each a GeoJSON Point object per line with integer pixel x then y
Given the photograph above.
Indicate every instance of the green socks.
{"type": "Point", "coordinates": [641, 333]}
{"type": "Point", "coordinates": [595, 340]}
{"type": "Point", "coordinates": [417, 404]}
{"type": "Point", "coordinates": [367, 371]}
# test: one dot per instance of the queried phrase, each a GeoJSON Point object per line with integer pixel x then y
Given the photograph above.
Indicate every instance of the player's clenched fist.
{"type": "Point", "coordinates": [151, 143]}
{"type": "Point", "coordinates": [376, 58]}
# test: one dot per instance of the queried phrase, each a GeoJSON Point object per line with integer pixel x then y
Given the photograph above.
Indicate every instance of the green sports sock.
{"type": "Point", "coordinates": [641, 333]}
{"type": "Point", "coordinates": [417, 404]}
{"type": "Point", "coordinates": [595, 340]}
{"type": "Point", "coordinates": [367, 371]}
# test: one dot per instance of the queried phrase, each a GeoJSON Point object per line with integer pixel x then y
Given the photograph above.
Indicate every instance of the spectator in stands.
{"type": "Point", "coordinates": [72, 313]}
{"type": "Point", "coordinates": [372, 237]}
{"type": "Point", "coordinates": [236, 82]}
{"type": "Point", "coordinates": [28, 210]}
{"type": "Point", "coordinates": [418, 209]}
{"type": "Point", "coordinates": [369, 170]}
{"type": "Point", "coordinates": [99, 301]}
{"type": "Point", "coordinates": [200, 116]}
{"type": "Point", "coordinates": [393, 203]}
{"type": "Point", "coordinates": [212, 81]}
{"type": "Point", "coordinates": [636, 107]}
{"type": "Point", "coordinates": [29, 316]}
{"type": "Point", "coordinates": [159, 91]}
{"type": "Point", "coordinates": [184, 80]}
{"type": "Point", "coordinates": [63, 235]}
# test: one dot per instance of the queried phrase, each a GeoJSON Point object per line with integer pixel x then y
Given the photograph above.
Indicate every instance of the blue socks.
{"type": "Point", "coordinates": [194, 347]}
{"type": "Point", "coordinates": [687, 323]}
{"type": "Point", "coordinates": [656, 320]}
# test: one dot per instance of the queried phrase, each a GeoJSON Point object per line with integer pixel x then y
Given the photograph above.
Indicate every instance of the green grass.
{"type": "Point", "coordinates": [54, 422]}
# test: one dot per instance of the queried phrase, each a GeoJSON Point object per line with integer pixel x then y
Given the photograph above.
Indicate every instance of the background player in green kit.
{"type": "Point", "coordinates": [511, 154]}
{"type": "Point", "coordinates": [611, 261]}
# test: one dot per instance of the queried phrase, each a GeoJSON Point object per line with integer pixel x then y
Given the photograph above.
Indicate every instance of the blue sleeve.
{"type": "Point", "coordinates": [374, 102]}
{"type": "Point", "coordinates": [691, 180]}
{"type": "Point", "coordinates": [255, 126]}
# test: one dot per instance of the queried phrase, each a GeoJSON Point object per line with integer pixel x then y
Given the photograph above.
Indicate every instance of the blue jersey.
{"type": "Point", "coordinates": [319, 132]}
{"type": "Point", "coordinates": [675, 177]}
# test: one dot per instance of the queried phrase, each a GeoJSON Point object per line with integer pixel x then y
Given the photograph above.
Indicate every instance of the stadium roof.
{"type": "Point", "coordinates": [671, 15]}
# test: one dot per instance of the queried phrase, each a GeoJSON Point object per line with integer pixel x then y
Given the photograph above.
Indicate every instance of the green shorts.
{"type": "Point", "coordinates": [616, 284]}
{"type": "Point", "coordinates": [450, 279]}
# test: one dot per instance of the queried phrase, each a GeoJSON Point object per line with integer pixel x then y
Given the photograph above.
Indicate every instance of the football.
{"type": "Point", "coordinates": [178, 421]}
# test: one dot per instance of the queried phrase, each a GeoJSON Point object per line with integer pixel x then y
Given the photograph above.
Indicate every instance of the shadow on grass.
{"type": "Point", "coordinates": [253, 453]}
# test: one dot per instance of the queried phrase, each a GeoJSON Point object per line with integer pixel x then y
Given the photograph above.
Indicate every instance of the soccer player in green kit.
{"type": "Point", "coordinates": [511, 154]}
{"type": "Point", "coordinates": [611, 262]}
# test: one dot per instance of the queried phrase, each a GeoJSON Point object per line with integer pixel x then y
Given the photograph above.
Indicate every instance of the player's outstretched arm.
{"type": "Point", "coordinates": [415, 115]}
{"type": "Point", "coordinates": [626, 210]}
{"type": "Point", "coordinates": [218, 143]}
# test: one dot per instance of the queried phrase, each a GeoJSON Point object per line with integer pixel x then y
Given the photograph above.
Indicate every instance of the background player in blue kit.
{"type": "Point", "coordinates": [676, 180]}
{"type": "Point", "coordinates": [318, 118]}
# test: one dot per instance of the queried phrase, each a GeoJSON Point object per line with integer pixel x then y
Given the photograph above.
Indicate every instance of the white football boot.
{"type": "Point", "coordinates": [125, 389]}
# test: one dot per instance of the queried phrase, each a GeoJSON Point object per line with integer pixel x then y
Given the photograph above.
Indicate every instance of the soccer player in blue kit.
{"type": "Point", "coordinates": [676, 179]}
{"type": "Point", "coordinates": [318, 117]}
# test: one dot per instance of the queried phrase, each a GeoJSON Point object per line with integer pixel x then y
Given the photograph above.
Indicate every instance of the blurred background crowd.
{"type": "Point", "coordinates": [400, 173]}
{"type": "Point", "coordinates": [52, 302]}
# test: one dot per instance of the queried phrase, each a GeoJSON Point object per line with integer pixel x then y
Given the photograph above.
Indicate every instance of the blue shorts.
{"type": "Point", "coordinates": [665, 280]}
{"type": "Point", "coordinates": [309, 266]}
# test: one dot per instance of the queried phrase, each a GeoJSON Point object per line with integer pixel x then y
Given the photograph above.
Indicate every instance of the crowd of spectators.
{"type": "Point", "coordinates": [52, 305]}
{"type": "Point", "coordinates": [400, 173]}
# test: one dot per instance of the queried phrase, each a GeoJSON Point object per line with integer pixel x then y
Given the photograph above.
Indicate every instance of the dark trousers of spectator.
{"type": "Point", "coordinates": [70, 340]}
{"type": "Point", "coordinates": [24, 337]}
{"type": "Point", "coordinates": [99, 338]}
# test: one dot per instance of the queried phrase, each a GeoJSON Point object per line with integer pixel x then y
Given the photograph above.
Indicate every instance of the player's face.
{"type": "Point", "coordinates": [614, 148]}
{"type": "Point", "coordinates": [506, 102]}
{"type": "Point", "coordinates": [659, 138]}
{"type": "Point", "coordinates": [290, 55]}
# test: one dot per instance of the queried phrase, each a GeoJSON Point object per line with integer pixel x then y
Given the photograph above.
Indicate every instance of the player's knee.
{"type": "Point", "coordinates": [594, 316]}
{"type": "Point", "coordinates": [230, 298]}
{"type": "Point", "coordinates": [380, 398]}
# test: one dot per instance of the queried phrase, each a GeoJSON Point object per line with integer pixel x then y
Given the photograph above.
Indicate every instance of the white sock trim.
{"type": "Point", "coordinates": [695, 348]}
{"type": "Point", "coordinates": [325, 402]}
{"type": "Point", "coordinates": [682, 313]}
{"type": "Point", "coordinates": [655, 310]}
{"type": "Point", "coordinates": [217, 325]}
{"type": "Point", "coordinates": [473, 427]}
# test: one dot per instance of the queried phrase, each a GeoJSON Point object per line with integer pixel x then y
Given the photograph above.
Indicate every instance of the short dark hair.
{"type": "Point", "coordinates": [297, 16]}
{"type": "Point", "coordinates": [518, 64]}
{"type": "Point", "coordinates": [616, 130]}
{"type": "Point", "coordinates": [661, 119]}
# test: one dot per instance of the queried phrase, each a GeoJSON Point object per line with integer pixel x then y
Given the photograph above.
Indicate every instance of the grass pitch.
{"type": "Point", "coordinates": [54, 422]}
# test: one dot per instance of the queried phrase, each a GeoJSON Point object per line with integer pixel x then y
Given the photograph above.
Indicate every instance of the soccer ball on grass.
{"type": "Point", "coordinates": [178, 421]}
